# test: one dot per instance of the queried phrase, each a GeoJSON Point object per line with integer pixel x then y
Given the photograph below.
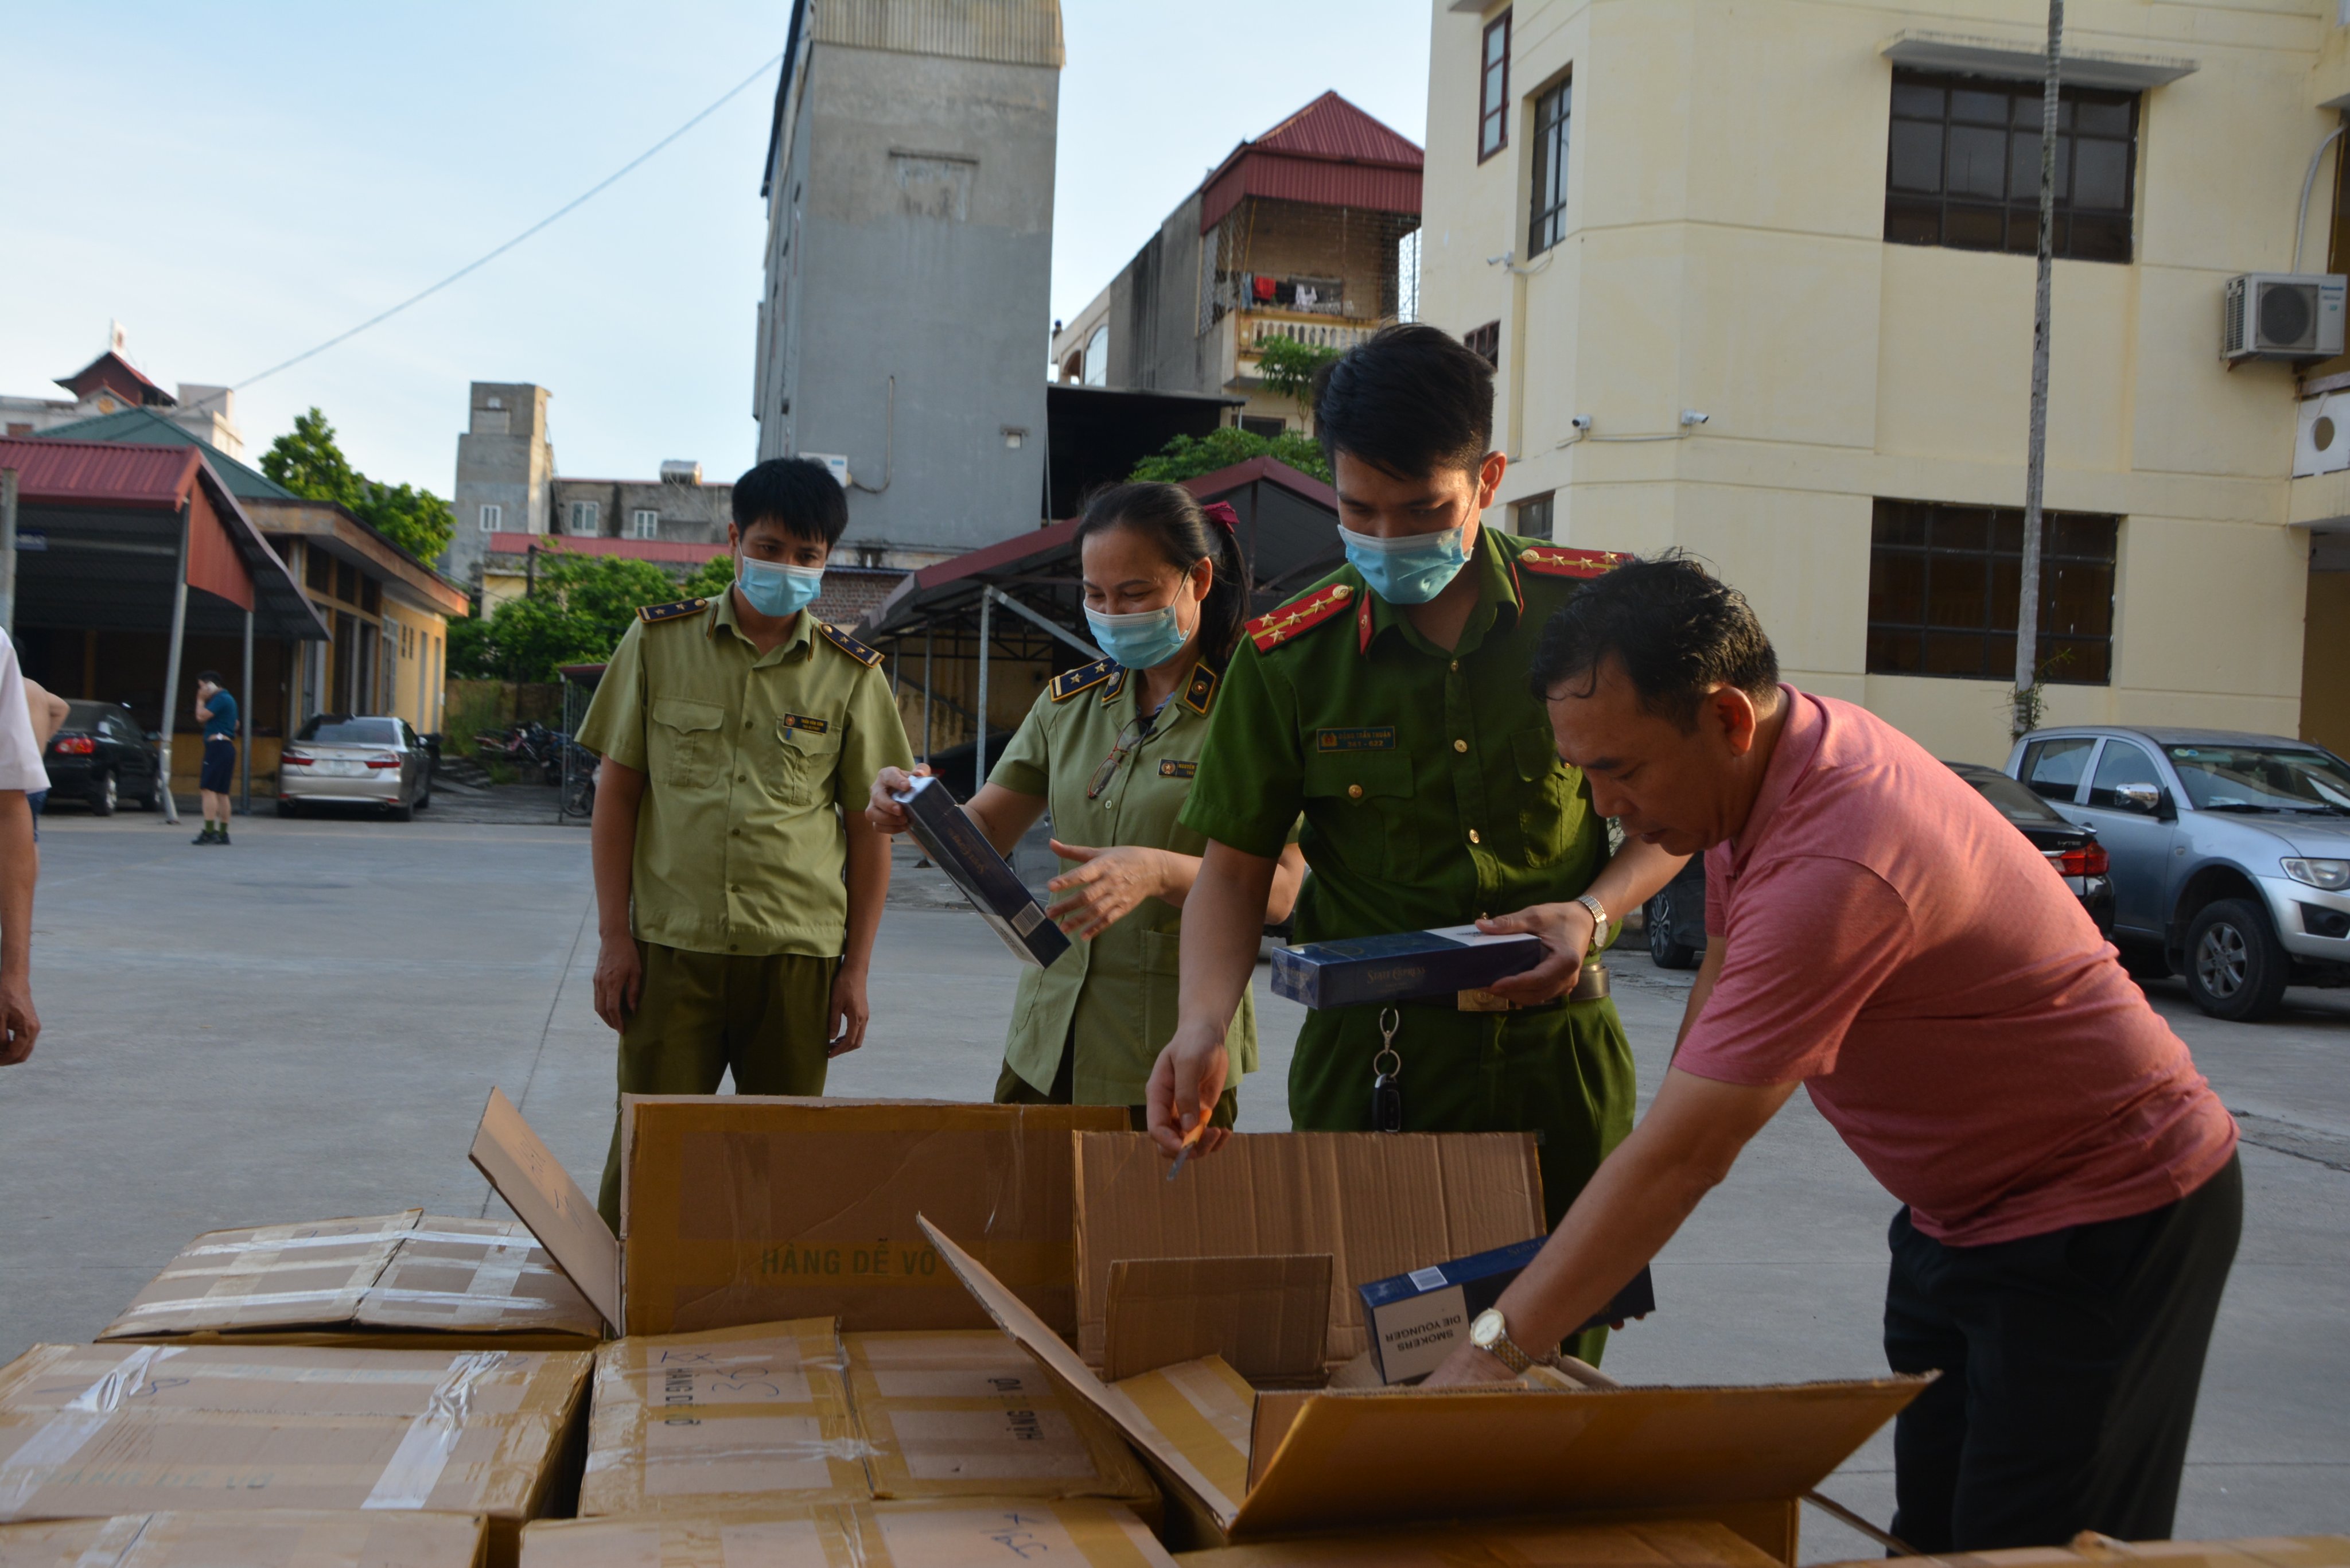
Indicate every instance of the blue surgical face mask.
{"type": "Point", "coordinates": [774, 589]}
{"type": "Point", "coordinates": [1140, 640]}
{"type": "Point", "coordinates": [1410, 570]}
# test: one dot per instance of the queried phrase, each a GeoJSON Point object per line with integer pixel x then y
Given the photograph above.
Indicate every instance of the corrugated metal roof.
{"type": "Point", "coordinates": [1329, 152]}
{"type": "Point", "coordinates": [88, 472]}
{"type": "Point", "coordinates": [149, 428]}
{"type": "Point", "coordinates": [1330, 127]}
{"type": "Point", "coordinates": [1013, 32]}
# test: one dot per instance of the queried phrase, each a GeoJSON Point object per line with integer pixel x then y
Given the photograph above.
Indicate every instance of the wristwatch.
{"type": "Point", "coordinates": [1599, 921]}
{"type": "Point", "coordinates": [1491, 1334]}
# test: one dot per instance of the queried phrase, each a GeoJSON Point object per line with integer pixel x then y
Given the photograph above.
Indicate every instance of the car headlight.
{"type": "Point", "coordinates": [2330, 875]}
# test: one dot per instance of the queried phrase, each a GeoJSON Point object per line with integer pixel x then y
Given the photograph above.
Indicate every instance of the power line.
{"type": "Point", "coordinates": [481, 261]}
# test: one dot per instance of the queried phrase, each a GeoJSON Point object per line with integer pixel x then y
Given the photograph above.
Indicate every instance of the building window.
{"type": "Point", "coordinates": [1944, 582]}
{"type": "Point", "coordinates": [644, 523]}
{"type": "Point", "coordinates": [1486, 341]}
{"type": "Point", "coordinates": [1267, 426]}
{"type": "Point", "coordinates": [1548, 225]}
{"type": "Point", "coordinates": [491, 517]}
{"type": "Point", "coordinates": [1493, 89]}
{"type": "Point", "coordinates": [1962, 167]}
{"type": "Point", "coordinates": [1532, 518]}
{"type": "Point", "coordinates": [584, 516]}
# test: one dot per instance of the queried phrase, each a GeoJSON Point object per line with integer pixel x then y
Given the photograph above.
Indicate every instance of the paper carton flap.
{"type": "Point", "coordinates": [1062, 1364]}
{"type": "Point", "coordinates": [1645, 1543]}
{"type": "Point", "coordinates": [1356, 1460]}
{"type": "Point", "coordinates": [2088, 1548]}
{"type": "Point", "coordinates": [542, 1194]}
{"type": "Point", "coordinates": [1267, 1317]}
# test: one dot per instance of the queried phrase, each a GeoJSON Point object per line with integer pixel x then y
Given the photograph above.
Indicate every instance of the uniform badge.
{"type": "Point", "coordinates": [802, 721]}
{"type": "Point", "coordinates": [1369, 738]}
{"type": "Point", "coordinates": [868, 657]}
{"type": "Point", "coordinates": [1556, 561]}
{"type": "Point", "coordinates": [1069, 683]}
{"type": "Point", "coordinates": [1270, 630]}
{"type": "Point", "coordinates": [650, 614]}
{"type": "Point", "coordinates": [1170, 768]}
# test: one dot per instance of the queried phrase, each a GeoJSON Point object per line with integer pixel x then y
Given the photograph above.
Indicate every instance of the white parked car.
{"type": "Point", "coordinates": [340, 759]}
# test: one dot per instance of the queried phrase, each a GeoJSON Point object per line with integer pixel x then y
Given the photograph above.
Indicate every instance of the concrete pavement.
{"type": "Point", "coordinates": [304, 1026]}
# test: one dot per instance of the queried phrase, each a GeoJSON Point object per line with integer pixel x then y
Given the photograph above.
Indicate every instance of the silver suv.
{"type": "Point", "coordinates": [2231, 852]}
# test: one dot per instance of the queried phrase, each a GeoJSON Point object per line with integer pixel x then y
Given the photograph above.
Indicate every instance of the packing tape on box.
{"type": "Point", "coordinates": [59, 1438]}
{"type": "Point", "coordinates": [362, 1239]}
{"type": "Point", "coordinates": [114, 1539]}
{"type": "Point", "coordinates": [431, 1437]}
{"type": "Point", "coordinates": [193, 1305]}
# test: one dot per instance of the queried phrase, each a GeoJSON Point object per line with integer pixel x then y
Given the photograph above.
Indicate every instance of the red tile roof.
{"type": "Point", "coordinates": [96, 474]}
{"type": "Point", "coordinates": [110, 369]}
{"type": "Point", "coordinates": [677, 550]}
{"type": "Point", "coordinates": [1330, 127]}
{"type": "Point", "coordinates": [1330, 153]}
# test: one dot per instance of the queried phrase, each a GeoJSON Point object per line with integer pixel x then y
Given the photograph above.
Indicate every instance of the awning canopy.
{"type": "Point", "coordinates": [98, 545]}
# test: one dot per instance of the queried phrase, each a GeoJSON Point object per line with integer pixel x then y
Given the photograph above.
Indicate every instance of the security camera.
{"type": "Point", "coordinates": [1581, 422]}
{"type": "Point", "coordinates": [1694, 416]}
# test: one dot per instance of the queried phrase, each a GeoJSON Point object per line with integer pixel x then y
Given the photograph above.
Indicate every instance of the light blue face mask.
{"type": "Point", "coordinates": [1140, 640]}
{"type": "Point", "coordinates": [774, 589]}
{"type": "Point", "coordinates": [1410, 570]}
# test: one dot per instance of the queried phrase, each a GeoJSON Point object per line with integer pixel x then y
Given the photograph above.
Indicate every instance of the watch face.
{"type": "Point", "coordinates": [1486, 1329]}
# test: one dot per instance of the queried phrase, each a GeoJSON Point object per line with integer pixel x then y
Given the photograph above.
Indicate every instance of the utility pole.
{"type": "Point", "coordinates": [2036, 461]}
{"type": "Point", "coordinates": [7, 550]}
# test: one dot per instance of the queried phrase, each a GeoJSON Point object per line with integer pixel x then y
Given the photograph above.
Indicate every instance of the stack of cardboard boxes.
{"type": "Point", "coordinates": [897, 1335]}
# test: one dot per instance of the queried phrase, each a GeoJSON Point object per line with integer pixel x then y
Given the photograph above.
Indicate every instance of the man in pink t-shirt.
{"type": "Point", "coordinates": [1880, 935]}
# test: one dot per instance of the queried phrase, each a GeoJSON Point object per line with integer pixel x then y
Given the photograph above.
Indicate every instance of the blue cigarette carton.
{"type": "Point", "coordinates": [1418, 1319]}
{"type": "Point", "coordinates": [1399, 966]}
{"type": "Point", "coordinates": [957, 847]}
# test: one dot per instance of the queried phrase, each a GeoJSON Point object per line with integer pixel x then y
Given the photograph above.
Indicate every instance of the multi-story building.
{"type": "Point", "coordinates": [505, 464]}
{"type": "Point", "coordinates": [110, 384]}
{"type": "Point", "coordinates": [1296, 234]}
{"type": "Point", "coordinates": [909, 182]}
{"type": "Point", "coordinates": [676, 521]}
{"type": "Point", "coordinates": [1758, 282]}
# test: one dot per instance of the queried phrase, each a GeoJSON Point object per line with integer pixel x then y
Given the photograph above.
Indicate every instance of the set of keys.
{"type": "Point", "coordinates": [1387, 1094]}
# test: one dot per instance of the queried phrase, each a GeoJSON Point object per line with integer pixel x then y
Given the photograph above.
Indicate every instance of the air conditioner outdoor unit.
{"type": "Point", "coordinates": [2283, 316]}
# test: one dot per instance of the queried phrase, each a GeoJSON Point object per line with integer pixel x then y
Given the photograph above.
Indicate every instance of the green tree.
{"type": "Point", "coordinates": [576, 614]}
{"type": "Point", "coordinates": [1186, 457]}
{"type": "Point", "coordinates": [710, 580]}
{"type": "Point", "coordinates": [1288, 367]}
{"type": "Point", "coordinates": [307, 460]}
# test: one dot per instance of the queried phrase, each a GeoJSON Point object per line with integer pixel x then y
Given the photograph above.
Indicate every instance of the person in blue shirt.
{"type": "Point", "coordinates": [216, 714]}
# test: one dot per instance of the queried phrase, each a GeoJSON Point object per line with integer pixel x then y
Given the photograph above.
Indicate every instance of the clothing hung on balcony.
{"type": "Point", "coordinates": [1262, 287]}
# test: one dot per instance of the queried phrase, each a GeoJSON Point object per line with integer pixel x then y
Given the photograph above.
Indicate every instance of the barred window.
{"type": "Point", "coordinates": [1548, 225]}
{"type": "Point", "coordinates": [491, 514]}
{"type": "Point", "coordinates": [1962, 167]}
{"type": "Point", "coordinates": [1944, 583]}
{"type": "Point", "coordinates": [1486, 342]}
{"type": "Point", "coordinates": [1493, 88]}
{"type": "Point", "coordinates": [1532, 518]}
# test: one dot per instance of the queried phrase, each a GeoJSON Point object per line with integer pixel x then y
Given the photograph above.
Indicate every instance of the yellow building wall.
{"type": "Point", "coordinates": [2325, 663]}
{"type": "Point", "coordinates": [415, 648]}
{"type": "Point", "coordinates": [1724, 252]}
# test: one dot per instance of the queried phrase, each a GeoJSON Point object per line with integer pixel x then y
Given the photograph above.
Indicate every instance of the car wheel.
{"type": "Point", "coordinates": [103, 795]}
{"type": "Point", "coordinates": [1663, 950]}
{"type": "Point", "coordinates": [152, 800]}
{"type": "Point", "coordinates": [400, 813]}
{"type": "Point", "coordinates": [287, 808]}
{"type": "Point", "coordinates": [2236, 968]}
{"type": "Point", "coordinates": [424, 795]}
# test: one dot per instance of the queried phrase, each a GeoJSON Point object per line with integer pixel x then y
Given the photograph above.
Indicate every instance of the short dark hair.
{"type": "Point", "coordinates": [212, 675]}
{"type": "Point", "coordinates": [798, 494]}
{"type": "Point", "coordinates": [1172, 518]}
{"type": "Point", "coordinates": [1677, 630]}
{"type": "Point", "coordinates": [1410, 399]}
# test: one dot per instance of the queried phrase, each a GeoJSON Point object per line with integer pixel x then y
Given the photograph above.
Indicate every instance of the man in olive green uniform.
{"type": "Point", "coordinates": [1392, 707]}
{"type": "Point", "coordinates": [737, 737]}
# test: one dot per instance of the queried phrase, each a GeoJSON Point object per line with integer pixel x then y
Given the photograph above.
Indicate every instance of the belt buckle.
{"type": "Point", "coordinates": [1482, 1002]}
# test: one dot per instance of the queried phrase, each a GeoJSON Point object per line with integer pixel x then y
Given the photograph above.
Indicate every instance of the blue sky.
{"type": "Point", "coordinates": [239, 182]}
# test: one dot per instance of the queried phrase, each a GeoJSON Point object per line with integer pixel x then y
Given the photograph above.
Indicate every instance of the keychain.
{"type": "Point", "coordinates": [1387, 1095]}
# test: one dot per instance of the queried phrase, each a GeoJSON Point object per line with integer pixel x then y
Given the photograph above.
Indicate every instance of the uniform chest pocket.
{"type": "Point", "coordinates": [1548, 809]}
{"type": "Point", "coordinates": [684, 738]}
{"type": "Point", "coordinates": [1361, 802]}
{"type": "Point", "coordinates": [809, 748]}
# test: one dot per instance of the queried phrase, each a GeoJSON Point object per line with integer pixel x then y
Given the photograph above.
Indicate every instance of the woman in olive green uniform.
{"type": "Point", "coordinates": [1110, 749]}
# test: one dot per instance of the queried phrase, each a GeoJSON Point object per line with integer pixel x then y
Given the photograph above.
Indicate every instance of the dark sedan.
{"type": "Point", "coordinates": [1676, 917]}
{"type": "Point", "coordinates": [101, 757]}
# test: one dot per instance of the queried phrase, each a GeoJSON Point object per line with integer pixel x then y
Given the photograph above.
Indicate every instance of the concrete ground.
{"type": "Point", "coordinates": [304, 1026]}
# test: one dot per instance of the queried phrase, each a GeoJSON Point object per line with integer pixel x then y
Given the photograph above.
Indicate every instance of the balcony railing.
{"type": "Point", "coordinates": [1314, 332]}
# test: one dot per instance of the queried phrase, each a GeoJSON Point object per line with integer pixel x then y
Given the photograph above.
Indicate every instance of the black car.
{"type": "Point", "coordinates": [1676, 915]}
{"type": "Point", "coordinates": [100, 756]}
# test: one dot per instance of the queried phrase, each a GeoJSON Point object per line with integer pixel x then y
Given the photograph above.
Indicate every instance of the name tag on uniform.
{"type": "Point", "coordinates": [799, 721]}
{"type": "Point", "coordinates": [1376, 738]}
{"type": "Point", "coordinates": [1170, 768]}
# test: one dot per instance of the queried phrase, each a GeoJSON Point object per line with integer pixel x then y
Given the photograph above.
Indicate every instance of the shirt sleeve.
{"type": "Point", "coordinates": [1252, 783]}
{"type": "Point", "coordinates": [1026, 765]}
{"type": "Point", "coordinates": [1717, 890]}
{"type": "Point", "coordinates": [1811, 938]}
{"type": "Point", "coordinates": [876, 739]}
{"type": "Point", "coordinates": [20, 753]}
{"type": "Point", "coordinates": [615, 724]}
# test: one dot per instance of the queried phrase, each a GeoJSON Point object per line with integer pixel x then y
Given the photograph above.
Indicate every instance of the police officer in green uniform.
{"type": "Point", "coordinates": [737, 736]}
{"type": "Point", "coordinates": [1390, 703]}
{"type": "Point", "coordinates": [1111, 749]}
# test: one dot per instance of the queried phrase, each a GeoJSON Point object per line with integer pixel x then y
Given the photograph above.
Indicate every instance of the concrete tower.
{"type": "Point", "coordinates": [505, 466]}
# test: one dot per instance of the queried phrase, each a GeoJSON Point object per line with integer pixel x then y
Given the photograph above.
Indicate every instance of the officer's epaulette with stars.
{"type": "Point", "coordinates": [1557, 561]}
{"type": "Point", "coordinates": [868, 657]}
{"type": "Point", "coordinates": [650, 614]}
{"type": "Point", "coordinates": [1276, 627]}
{"type": "Point", "coordinates": [1199, 691]}
{"type": "Point", "coordinates": [1069, 683]}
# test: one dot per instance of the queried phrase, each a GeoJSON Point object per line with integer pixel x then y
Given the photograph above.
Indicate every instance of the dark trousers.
{"type": "Point", "coordinates": [2070, 1363]}
{"type": "Point", "coordinates": [1012, 1089]}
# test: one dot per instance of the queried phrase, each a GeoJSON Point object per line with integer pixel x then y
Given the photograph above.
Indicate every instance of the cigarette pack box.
{"type": "Point", "coordinates": [1417, 1319]}
{"type": "Point", "coordinates": [1399, 966]}
{"type": "Point", "coordinates": [955, 844]}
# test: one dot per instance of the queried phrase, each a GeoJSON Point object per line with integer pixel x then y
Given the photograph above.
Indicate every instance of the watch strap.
{"type": "Point", "coordinates": [1599, 921]}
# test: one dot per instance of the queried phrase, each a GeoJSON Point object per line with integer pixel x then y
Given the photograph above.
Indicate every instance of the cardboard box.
{"type": "Point", "coordinates": [2088, 1548]}
{"type": "Point", "coordinates": [90, 1431]}
{"type": "Point", "coordinates": [741, 1209]}
{"type": "Point", "coordinates": [392, 1281]}
{"type": "Point", "coordinates": [978, 1532]}
{"type": "Point", "coordinates": [968, 1413]}
{"type": "Point", "coordinates": [1660, 1543]}
{"type": "Point", "coordinates": [293, 1538]}
{"type": "Point", "coordinates": [1399, 966]}
{"type": "Point", "coordinates": [1376, 1203]}
{"type": "Point", "coordinates": [1415, 1318]}
{"type": "Point", "coordinates": [1356, 1462]}
{"type": "Point", "coordinates": [954, 843]}
{"type": "Point", "coordinates": [735, 1417]}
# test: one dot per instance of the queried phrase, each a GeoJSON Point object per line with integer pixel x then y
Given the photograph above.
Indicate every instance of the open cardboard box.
{"type": "Point", "coordinates": [1245, 1465]}
{"type": "Point", "coordinates": [288, 1538]}
{"type": "Point", "coordinates": [1082, 1532]}
{"type": "Point", "coordinates": [2090, 1548]}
